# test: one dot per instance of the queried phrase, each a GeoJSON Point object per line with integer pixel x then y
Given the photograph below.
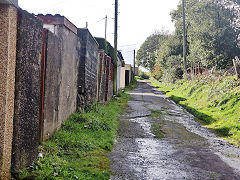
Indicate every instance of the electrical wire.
{"type": "Point", "coordinates": [97, 21]}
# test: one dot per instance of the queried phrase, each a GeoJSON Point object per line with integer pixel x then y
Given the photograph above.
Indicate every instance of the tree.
{"type": "Point", "coordinates": [172, 46]}
{"type": "Point", "coordinates": [212, 31]}
{"type": "Point", "coordinates": [169, 59]}
{"type": "Point", "coordinates": [146, 54]}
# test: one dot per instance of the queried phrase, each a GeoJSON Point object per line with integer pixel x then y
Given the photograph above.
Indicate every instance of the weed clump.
{"type": "Point", "coordinates": [157, 130]}
{"type": "Point", "coordinates": [156, 113]}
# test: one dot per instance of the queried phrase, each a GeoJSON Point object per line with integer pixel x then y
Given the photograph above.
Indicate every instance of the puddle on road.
{"type": "Point", "coordinates": [152, 160]}
{"type": "Point", "coordinates": [144, 124]}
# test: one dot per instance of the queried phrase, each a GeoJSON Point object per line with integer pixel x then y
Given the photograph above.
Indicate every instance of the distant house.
{"type": "Point", "coordinates": [120, 65]}
{"type": "Point", "coordinates": [122, 78]}
{"type": "Point", "coordinates": [126, 76]}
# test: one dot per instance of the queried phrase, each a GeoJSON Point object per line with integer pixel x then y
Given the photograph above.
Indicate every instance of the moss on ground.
{"type": "Point", "coordinates": [214, 101]}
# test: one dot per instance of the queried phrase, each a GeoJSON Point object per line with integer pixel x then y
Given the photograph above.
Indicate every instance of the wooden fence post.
{"type": "Point", "coordinates": [236, 67]}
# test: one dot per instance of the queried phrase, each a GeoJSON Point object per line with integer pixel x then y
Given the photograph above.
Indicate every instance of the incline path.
{"type": "Point", "coordinates": [187, 150]}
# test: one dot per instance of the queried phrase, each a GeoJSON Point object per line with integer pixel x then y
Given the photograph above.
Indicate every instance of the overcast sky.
{"type": "Point", "coordinates": [137, 18]}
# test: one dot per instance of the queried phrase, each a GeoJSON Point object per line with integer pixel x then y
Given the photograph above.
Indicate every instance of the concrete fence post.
{"type": "Point", "coordinates": [8, 33]}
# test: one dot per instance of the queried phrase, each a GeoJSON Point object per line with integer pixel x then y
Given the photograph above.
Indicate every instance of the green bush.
{"type": "Point", "coordinates": [143, 75]}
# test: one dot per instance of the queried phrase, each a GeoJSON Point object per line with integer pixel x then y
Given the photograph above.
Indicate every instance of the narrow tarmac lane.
{"type": "Point", "coordinates": [187, 150]}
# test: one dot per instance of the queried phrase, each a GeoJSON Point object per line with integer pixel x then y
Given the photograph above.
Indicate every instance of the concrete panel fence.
{"type": "Point", "coordinates": [27, 90]}
{"type": "Point", "coordinates": [8, 36]}
{"type": "Point", "coordinates": [49, 69]}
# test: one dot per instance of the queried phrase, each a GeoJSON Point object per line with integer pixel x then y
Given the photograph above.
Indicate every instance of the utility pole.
{"type": "Point", "coordinates": [184, 38]}
{"type": "Point", "coordinates": [134, 62]}
{"type": "Point", "coordinates": [106, 27]}
{"type": "Point", "coordinates": [106, 34]}
{"type": "Point", "coordinates": [116, 30]}
{"type": "Point", "coordinates": [115, 45]}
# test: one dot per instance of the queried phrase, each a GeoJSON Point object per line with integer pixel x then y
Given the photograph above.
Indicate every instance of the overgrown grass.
{"type": "Point", "coordinates": [132, 86]}
{"type": "Point", "coordinates": [156, 127]}
{"type": "Point", "coordinates": [214, 101]}
{"type": "Point", "coordinates": [78, 150]}
{"type": "Point", "coordinates": [139, 78]}
{"type": "Point", "coordinates": [156, 113]}
{"type": "Point", "coordinates": [157, 130]}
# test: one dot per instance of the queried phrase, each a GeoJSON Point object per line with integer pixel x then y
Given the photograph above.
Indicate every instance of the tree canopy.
{"type": "Point", "coordinates": [146, 54]}
{"type": "Point", "coordinates": [212, 33]}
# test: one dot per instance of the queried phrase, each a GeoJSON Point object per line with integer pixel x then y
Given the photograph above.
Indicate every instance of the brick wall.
{"type": "Point", "coordinates": [101, 76]}
{"type": "Point", "coordinates": [108, 61]}
{"type": "Point", "coordinates": [111, 81]}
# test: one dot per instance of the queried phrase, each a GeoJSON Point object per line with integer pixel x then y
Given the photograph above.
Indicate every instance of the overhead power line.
{"type": "Point", "coordinates": [97, 21]}
{"type": "Point", "coordinates": [152, 48]}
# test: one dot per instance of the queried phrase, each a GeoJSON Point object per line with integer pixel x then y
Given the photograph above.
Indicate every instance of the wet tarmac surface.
{"type": "Point", "coordinates": [186, 151]}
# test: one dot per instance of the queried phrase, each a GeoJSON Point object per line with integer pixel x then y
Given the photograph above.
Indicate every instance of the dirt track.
{"type": "Point", "coordinates": [187, 150]}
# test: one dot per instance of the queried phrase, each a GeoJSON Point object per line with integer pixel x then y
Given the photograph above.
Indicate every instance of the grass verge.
{"type": "Point", "coordinates": [214, 101]}
{"type": "Point", "coordinates": [78, 150]}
